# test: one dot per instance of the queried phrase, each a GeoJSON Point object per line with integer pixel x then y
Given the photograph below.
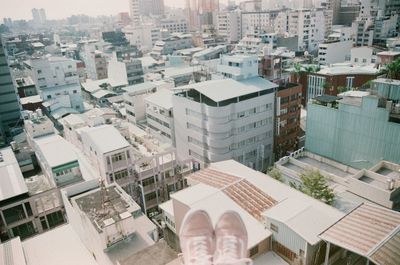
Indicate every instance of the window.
{"type": "Point", "coordinates": [121, 174]}
{"type": "Point", "coordinates": [253, 251]}
{"type": "Point", "coordinates": [274, 228]}
{"type": "Point", "coordinates": [117, 157]}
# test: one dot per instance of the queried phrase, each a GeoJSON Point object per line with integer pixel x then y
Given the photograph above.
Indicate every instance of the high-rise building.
{"type": "Point", "coordinates": [10, 111]}
{"type": "Point", "coordinates": [134, 8]}
{"type": "Point", "coordinates": [201, 13]}
{"type": "Point", "coordinates": [151, 7]}
{"type": "Point", "coordinates": [230, 118]}
{"type": "Point", "coordinates": [39, 16]}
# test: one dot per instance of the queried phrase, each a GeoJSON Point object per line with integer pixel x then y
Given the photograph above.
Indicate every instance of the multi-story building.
{"type": "Point", "coordinates": [201, 13]}
{"type": "Point", "coordinates": [147, 169]}
{"type": "Point", "coordinates": [175, 25]}
{"type": "Point", "coordinates": [271, 21]}
{"type": "Point", "coordinates": [95, 61]}
{"type": "Point", "coordinates": [287, 119]}
{"type": "Point", "coordinates": [159, 115]}
{"type": "Point", "coordinates": [171, 44]}
{"type": "Point", "coordinates": [151, 7]}
{"type": "Point", "coordinates": [336, 79]}
{"type": "Point", "coordinates": [134, 101]}
{"type": "Point", "coordinates": [307, 24]}
{"type": "Point", "coordinates": [10, 110]}
{"type": "Point", "coordinates": [359, 128]}
{"type": "Point", "coordinates": [126, 69]}
{"type": "Point", "coordinates": [112, 158]}
{"type": "Point", "coordinates": [57, 83]}
{"type": "Point", "coordinates": [143, 36]}
{"type": "Point", "coordinates": [363, 56]}
{"type": "Point", "coordinates": [28, 206]}
{"type": "Point", "coordinates": [39, 16]}
{"type": "Point", "coordinates": [330, 52]}
{"type": "Point", "coordinates": [229, 118]}
{"type": "Point", "coordinates": [229, 25]}
{"type": "Point", "coordinates": [25, 87]}
{"type": "Point", "coordinates": [134, 8]}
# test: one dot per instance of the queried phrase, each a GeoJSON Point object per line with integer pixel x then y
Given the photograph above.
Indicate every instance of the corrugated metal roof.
{"type": "Point", "coordinates": [363, 230]}
{"type": "Point", "coordinates": [246, 195]}
{"type": "Point", "coordinates": [389, 252]}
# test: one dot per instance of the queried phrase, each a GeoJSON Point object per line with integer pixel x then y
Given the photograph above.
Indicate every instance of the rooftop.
{"type": "Point", "coordinates": [140, 88]}
{"type": "Point", "coordinates": [161, 250]}
{"type": "Point", "coordinates": [349, 70]}
{"type": "Point", "coordinates": [260, 195]}
{"type": "Point", "coordinates": [50, 147]}
{"type": "Point", "coordinates": [102, 205]}
{"type": "Point", "coordinates": [106, 138]}
{"type": "Point", "coordinates": [162, 98]}
{"type": "Point", "coordinates": [42, 250]}
{"type": "Point", "coordinates": [224, 89]}
{"type": "Point", "coordinates": [11, 179]}
{"type": "Point", "coordinates": [364, 230]}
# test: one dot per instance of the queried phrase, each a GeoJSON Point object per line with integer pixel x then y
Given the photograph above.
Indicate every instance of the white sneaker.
{"type": "Point", "coordinates": [231, 240]}
{"type": "Point", "coordinates": [197, 239]}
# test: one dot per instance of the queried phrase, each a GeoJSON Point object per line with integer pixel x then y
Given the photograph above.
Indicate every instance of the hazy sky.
{"type": "Point", "coordinates": [21, 9]}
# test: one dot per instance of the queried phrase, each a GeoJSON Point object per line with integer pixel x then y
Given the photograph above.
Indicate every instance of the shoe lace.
{"type": "Point", "coordinates": [201, 254]}
{"type": "Point", "coordinates": [229, 253]}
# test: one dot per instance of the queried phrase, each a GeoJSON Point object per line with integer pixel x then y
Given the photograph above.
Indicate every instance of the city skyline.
{"type": "Point", "coordinates": [22, 9]}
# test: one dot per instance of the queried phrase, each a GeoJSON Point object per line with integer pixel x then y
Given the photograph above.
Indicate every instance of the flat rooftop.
{"type": "Point", "coordinates": [69, 249]}
{"type": "Point", "coordinates": [101, 205]}
{"type": "Point", "coordinates": [11, 179]}
{"type": "Point", "coordinates": [158, 254]}
{"type": "Point", "coordinates": [162, 98]}
{"type": "Point", "coordinates": [51, 145]}
{"type": "Point", "coordinates": [224, 89]}
{"type": "Point", "coordinates": [106, 138]}
{"type": "Point", "coordinates": [324, 166]}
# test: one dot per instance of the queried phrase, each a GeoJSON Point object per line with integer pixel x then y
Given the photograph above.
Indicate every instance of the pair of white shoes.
{"type": "Point", "coordinates": [202, 245]}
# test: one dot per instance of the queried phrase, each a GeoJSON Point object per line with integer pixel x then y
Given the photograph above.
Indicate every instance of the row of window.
{"type": "Point", "coordinates": [64, 172]}
{"type": "Point", "coordinates": [165, 124]}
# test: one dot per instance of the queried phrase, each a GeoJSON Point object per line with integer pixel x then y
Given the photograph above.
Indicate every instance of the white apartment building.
{"type": "Point", "coordinates": [275, 21]}
{"type": "Point", "coordinates": [229, 118]}
{"type": "Point", "coordinates": [57, 81]}
{"type": "Point", "coordinates": [108, 151]}
{"type": "Point", "coordinates": [159, 115]}
{"type": "Point", "coordinates": [171, 44]}
{"type": "Point", "coordinates": [331, 52]}
{"type": "Point", "coordinates": [134, 8]}
{"type": "Point", "coordinates": [134, 101]}
{"type": "Point", "coordinates": [255, 43]}
{"type": "Point", "coordinates": [363, 56]}
{"type": "Point", "coordinates": [175, 25]}
{"type": "Point", "coordinates": [238, 67]}
{"type": "Point", "coordinates": [229, 25]}
{"type": "Point", "coordinates": [129, 70]}
{"type": "Point", "coordinates": [143, 36]}
{"type": "Point", "coordinates": [95, 61]}
{"type": "Point", "coordinates": [146, 168]}
{"type": "Point", "coordinates": [309, 25]}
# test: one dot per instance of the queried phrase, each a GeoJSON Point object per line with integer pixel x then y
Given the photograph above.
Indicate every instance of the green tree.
{"type": "Point", "coordinates": [274, 173]}
{"type": "Point", "coordinates": [392, 70]}
{"type": "Point", "coordinates": [316, 186]}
